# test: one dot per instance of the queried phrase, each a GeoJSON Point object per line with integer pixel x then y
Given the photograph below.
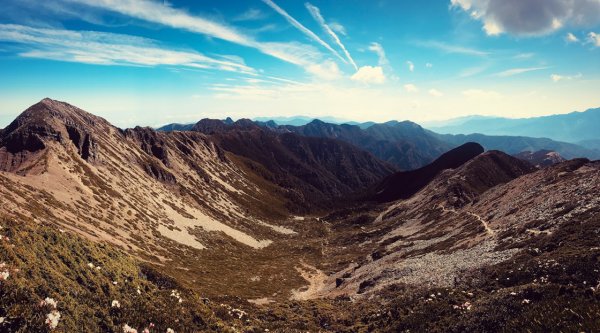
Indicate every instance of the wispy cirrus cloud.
{"type": "Point", "coordinates": [450, 48]}
{"type": "Point", "coordinates": [164, 14]}
{"type": "Point", "coordinates": [517, 71]}
{"type": "Point", "coordinates": [251, 14]}
{"type": "Point", "coordinates": [316, 14]}
{"type": "Point", "coordinates": [302, 28]}
{"type": "Point", "coordinates": [378, 49]}
{"type": "Point", "coordinates": [101, 48]}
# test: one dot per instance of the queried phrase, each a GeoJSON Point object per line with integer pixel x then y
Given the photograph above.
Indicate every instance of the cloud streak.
{"type": "Point", "coordinates": [102, 48]}
{"type": "Point", "coordinates": [302, 28]}
{"type": "Point", "coordinates": [166, 15]}
{"type": "Point", "coordinates": [316, 14]}
{"type": "Point", "coordinates": [448, 48]}
{"type": "Point", "coordinates": [517, 71]}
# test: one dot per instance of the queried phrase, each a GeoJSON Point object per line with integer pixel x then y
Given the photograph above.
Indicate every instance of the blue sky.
{"type": "Point", "coordinates": [153, 62]}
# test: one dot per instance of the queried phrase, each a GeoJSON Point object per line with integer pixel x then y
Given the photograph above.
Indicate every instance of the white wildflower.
{"type": "Point", "coordinates": [128, 329]}
{"type": "Point", "coordinates": [175, 294]}
{"type": "Point", "coordinates": [52, 319]}
{"type": "Point", "coordinates": [115, 304]}
{"type": "Point", "coordinates": [2, 319]}
{"type": "Point", "coordinates": [114, 283]}
{"type": "Point", "coordinates": [170, 330]}
{"type": "Point", "coordinates": [90, 265]}
{"type": "Point", "coordinates": [467, 306]}
{"type": "Point", "coordinates": [4, 275]}
{"type": "Point", "coordinates": [98, 268]}
{"type": "Point", "coordinates": [139, 291]}
{"type": "Point", "coordinates": [49, 302]}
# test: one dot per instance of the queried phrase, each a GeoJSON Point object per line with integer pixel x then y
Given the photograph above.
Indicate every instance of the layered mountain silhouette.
{"type": "Point", "coordinates": [408, 146]}
{"type": "Point", "coordinates": [516, 144]}
{"type": "Point", "coordinates": [572, 127]}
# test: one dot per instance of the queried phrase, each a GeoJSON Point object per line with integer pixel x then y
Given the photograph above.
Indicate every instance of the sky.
{"type": "Point", "coordinates": [149, 63]}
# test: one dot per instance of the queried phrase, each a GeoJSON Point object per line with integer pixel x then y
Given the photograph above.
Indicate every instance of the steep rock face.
{"type": "Point", "coordinates": [23, 141]}
{"type": "Point", "coordinates": [153, 144]}
{"type": "Point", "coordinates": [402, 185]}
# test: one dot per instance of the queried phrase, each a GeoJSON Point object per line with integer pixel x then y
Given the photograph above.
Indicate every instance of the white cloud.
{"type": "Point", "coordinates": [302, 28]}
{"type": "Point", "coordinates": [429, 65]}
{"type": "Point", "coordinates": [448, 48]}
{"type": "Point", "coordinates": [411, 88]}
{"type": "Point", "coordinates": [102, 48]}
{"type": "Point", "coordinates": [369, 74]}
{"type": "Point", "coordinates": [594, 38]}
{"type": "Point", "coordinates": [164, 14]}
{"type": "Point", "coordinates": [327, 70]}
{"type": "Point", "coordinates": [316, 14]}
{"type": "Point", "coordinates": [517, 71]}
{"type": "Point", "coordinates": [481, 94]}
{"type": "Point", "coordinates": [557, 78]}
{"type": "Point", "coordinates": [530, 17]}
{"type": "Point", "coordinates": [411, 66]}
{"type": "Point", "coordinates": [571, 38]}
{"type": "Point", "coordinates": [435, 93]}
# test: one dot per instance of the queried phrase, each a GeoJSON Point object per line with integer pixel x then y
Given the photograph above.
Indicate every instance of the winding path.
{"type": "Point", "coordinates": [488, 230]}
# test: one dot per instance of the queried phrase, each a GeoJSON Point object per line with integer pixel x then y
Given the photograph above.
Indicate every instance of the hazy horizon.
{"type": "Point", "coordinates": [151, 63]}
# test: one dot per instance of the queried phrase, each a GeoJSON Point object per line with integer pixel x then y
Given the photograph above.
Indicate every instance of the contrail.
{"type": "Point", "coordinates": [316, 14]}
{"type": "Point", "coordinates": [302, 28]}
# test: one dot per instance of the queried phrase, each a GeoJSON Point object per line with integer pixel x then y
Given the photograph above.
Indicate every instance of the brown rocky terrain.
{"type": "Point", "coordinates": [206, 228]}
{"type": "Point", "coordinates": [541, 158]}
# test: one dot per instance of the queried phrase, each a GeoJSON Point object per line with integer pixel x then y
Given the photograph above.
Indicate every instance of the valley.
{"type": "Point", "coordinates": [237, 227]}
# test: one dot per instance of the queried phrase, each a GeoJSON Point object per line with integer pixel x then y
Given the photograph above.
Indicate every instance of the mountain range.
{"type": "Point", "coordinates": [574, 127]}
{"type": "Point", "coordinates": [408, 146]}
{"type": "Point", "coordinates": [245, 226]}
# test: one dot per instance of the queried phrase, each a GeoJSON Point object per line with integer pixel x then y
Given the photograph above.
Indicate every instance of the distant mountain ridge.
{"type": "Point", "coordinates": [409, 146]}
{"type": "Point", "coordinates": [572, 127]}
{"type": "Point", "coordinates": [516, 144]}
{"type": "Point", "coordinates": [404, 144]}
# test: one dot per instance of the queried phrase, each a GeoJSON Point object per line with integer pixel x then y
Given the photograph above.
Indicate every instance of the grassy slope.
{"type": "Point", "coordinates": [45, 262]}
